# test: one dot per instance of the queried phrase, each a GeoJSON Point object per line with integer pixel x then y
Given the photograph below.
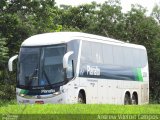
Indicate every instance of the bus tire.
{"type": "Point", "coordinates": [81, 98]}
{"type": "Point", "coordinates": [135, 99]}
{"type": "Point", "coordinates": [127, 99]}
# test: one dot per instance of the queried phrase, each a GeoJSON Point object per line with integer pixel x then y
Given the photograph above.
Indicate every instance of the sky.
{"type": "Point", "coordinates": [126, 4]}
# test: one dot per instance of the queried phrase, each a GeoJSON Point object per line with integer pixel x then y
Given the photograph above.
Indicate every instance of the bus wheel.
{"type": "Point", "coordinates": [81, 98]}
{"type": "Point", "coordinates": [134, 99]}
{"type": "Point", "coordinates": [127, 99]}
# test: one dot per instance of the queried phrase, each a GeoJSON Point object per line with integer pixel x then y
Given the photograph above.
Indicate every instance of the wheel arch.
{"type": "Point", "coordinates": [127, 97]}
{"type": "Point", "coordinates": [135, 94]}
{"type": "Point", "coordinates": [128, 93]}
{"type": "Point", "coordinates": [82, 91]}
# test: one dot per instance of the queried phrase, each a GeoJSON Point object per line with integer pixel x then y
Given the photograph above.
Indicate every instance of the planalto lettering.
{"type": "Point", "coordinates": [93, 70]}
{"type": "Point", "coordinates": [47, 91]}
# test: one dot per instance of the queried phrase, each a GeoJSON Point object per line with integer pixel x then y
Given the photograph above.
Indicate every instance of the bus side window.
{"type": "Point", "coordinates": [143, 58]}
{"type": "Point", "coordinates": [118, 58]}
{"type": "Point", "coordinates": [107, 54]}
{"type": "Point", "coordinates": [128, 57]}
{"type": "Point", "coordinates": [136, 58]}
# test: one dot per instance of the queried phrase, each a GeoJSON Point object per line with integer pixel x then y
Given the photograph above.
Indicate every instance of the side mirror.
{"type": "Point", "coordinates": [10, 62]}
{"type": "Point", "coordinates": [66, 58]}
{"type": "Point", "coordinates": [68, 65]}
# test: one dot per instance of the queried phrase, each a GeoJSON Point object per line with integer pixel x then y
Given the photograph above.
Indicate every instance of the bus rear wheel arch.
{"type": "Point", "coordinates": [135, 98]}
{"type": "Point", "coordinates": [127, 98]}
{"type": "Point", "coordinates": [82, 97]}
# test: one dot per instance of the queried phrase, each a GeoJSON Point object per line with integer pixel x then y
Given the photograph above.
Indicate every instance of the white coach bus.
{"type": "Point", "coordinates": [73, 67]}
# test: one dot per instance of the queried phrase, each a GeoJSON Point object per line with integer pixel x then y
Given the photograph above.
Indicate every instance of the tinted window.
{"type": "Point", "coordinates": [29, 65]}
{"type": "Point", "coordinates": [139, 57]}
{"type": "Point", "coordinates": [107, 54]}
{"type": "Point", "coordinates": [118, 57]}
{"type": "Point", "coordinates": [97, 53]}
{"type": "Point", "coordinates": [86, 55]}
{"type": "Point", "coordinates": [53, 65]}
{"type": "Point", "coordinates": [128, 56]}
{"type": "Point", "coordinates": [143, 58]}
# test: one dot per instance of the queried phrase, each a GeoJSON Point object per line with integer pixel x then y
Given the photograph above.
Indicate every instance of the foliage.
{"type": "Point", "coordinates": [3, 51]}
{"type": "Point", "coordinates": [156, 13]}
{"type": "Point", "coordinates": [7, 91]}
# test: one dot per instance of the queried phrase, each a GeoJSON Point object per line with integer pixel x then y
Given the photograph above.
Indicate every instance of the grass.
{"type": "Point", "coordinates": [74, 109]}
{"type": "Point", "coordinates": [79, 109]}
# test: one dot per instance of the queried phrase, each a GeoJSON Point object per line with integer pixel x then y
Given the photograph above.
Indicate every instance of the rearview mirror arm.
{"type": "Point", "coordinates": [10, 62]}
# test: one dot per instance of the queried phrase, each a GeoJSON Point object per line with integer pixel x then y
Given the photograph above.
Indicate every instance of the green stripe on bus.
{"type": "Point", "coordinates": [135, 73]}
{"type": "Point", "coordinates": [24, 91]}
{"type": "Point", "coordinates": [139, 74]}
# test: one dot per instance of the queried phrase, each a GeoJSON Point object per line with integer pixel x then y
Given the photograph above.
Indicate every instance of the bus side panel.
{"type": "Point", "coordinates": [144, 93]}
{"type": "Point", "coordinates": [102, 91]}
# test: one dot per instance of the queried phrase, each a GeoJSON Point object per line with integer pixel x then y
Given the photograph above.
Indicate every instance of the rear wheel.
{"type": "Point", "coordinates": [127, 99]}
{"type": "Point", "coordinates": [134, 100]}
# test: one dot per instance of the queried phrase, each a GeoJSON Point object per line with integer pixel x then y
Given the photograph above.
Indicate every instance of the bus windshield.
{"type": "Point", "coordinates": [41, 66]}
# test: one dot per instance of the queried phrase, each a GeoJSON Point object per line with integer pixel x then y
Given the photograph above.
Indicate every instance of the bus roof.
{"type": "Point", "coordinates": [64, 37]}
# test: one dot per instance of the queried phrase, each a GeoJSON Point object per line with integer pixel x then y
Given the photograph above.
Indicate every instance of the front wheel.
{"type": "Point", "coordinates": [81, 99]}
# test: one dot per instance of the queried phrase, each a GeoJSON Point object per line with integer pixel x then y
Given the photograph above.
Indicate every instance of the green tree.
{"type": "Point", "coordinates": [77, 17]}
{"type": "Point", "coordinates": [3, 51]}
{"type": "Point", "coordinates": [21, 19]}
{"type": "Point", "coordinates": [156, 13]}
{"type": "Point", "coordinates": [3, 58]}
{"type": "Point", "coordinates": [6, 89]}
{"type": "Point", "coordinates": [109, 19]}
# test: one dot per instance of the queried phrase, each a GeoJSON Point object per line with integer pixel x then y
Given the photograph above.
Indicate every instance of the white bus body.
{"type": "Point", "coordinates": [72, 67]}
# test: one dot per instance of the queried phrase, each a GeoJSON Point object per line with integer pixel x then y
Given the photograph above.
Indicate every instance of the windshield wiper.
{"type": "Point", "coordinates": [32, 76]}
{"type": "Point", "coordinates": [47, 79]}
